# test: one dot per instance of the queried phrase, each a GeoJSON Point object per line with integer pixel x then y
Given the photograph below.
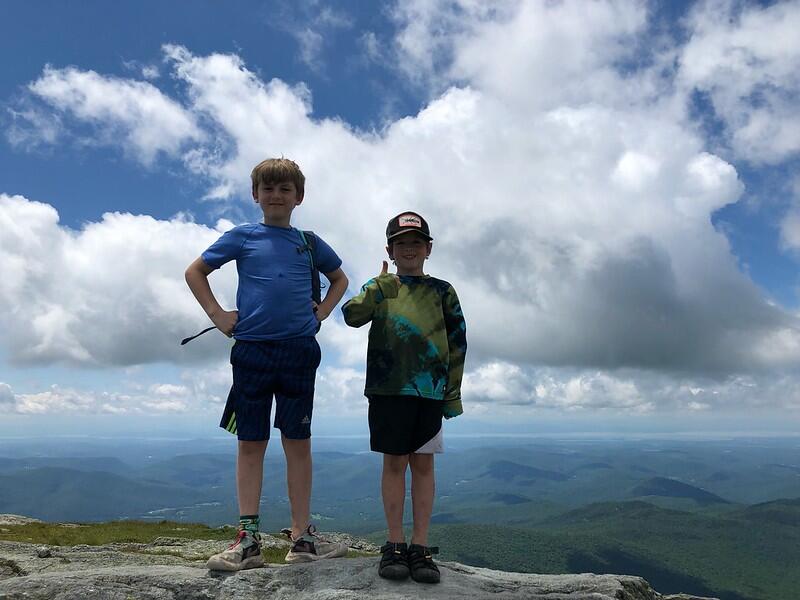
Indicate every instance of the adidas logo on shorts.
{"type": "Point", "coordinates": [305, 420]}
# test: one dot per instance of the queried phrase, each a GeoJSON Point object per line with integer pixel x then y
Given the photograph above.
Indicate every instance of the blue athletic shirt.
{"type": "Point", "coordinates": [274, 293]}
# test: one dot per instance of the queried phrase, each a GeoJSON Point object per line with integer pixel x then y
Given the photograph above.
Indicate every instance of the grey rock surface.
{"type": "Point", "coordinates": [145, 572]}
{"type": "Point", "coordinates": [351, 541]}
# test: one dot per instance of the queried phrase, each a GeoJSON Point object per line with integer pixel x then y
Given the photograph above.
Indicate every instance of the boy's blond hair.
{"type": "Point", "coordinates": [278, 170]}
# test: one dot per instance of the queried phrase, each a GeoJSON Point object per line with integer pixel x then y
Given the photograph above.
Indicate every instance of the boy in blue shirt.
{"type": "Point", "coordinates": [275, 354]}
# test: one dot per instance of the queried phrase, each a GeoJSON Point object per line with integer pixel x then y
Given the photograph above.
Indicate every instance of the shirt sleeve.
{"type": "Point", "coordinates": [226, 248]}
{"type": "Point", "coordinates": [327, 259]}
{"type": "Point", "coordinates": [456, 328]}
{"type": "Point", "coordinates": [359, 309]}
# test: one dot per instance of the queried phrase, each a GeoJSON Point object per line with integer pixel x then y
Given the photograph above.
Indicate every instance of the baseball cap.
{"type": "Point", "coordinates": [407, 222]}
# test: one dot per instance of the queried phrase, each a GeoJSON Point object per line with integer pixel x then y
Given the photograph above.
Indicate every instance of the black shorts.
{"type": "Point", "coordinates": [403, 424]}
{"type": "Point", "coordinates": [285, 369]}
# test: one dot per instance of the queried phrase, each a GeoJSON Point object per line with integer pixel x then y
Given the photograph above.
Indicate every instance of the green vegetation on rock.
{"type": "Point", "coordinates": [98, 534]}
{"type": "Point", "coordinates": [137, 533]}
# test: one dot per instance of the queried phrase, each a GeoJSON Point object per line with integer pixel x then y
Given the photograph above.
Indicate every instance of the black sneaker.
{"type": "Point", "coordinates": [420, 561]}
{"type": "Point", "coordinates": [394, 562]}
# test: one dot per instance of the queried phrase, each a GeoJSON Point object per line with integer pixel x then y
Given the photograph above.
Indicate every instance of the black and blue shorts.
{"type": "Point", "coordinates": [283, 369]}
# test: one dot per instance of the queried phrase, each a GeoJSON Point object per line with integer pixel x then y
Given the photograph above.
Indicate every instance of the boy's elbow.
{"type": "Point", "coordinates": [195, 270]}
{"type": "Point", "coordinates": [338, 278]}
{"type": "Point", "coordinates": [350, 318]}
{"type": "Point", "coordinates": [190, 274]}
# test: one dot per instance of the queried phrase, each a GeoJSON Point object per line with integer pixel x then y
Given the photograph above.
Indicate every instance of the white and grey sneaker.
{"type": "Point", "coordinates": [308, 547]}
{"type": "Point", "coordinates": [244, 553]}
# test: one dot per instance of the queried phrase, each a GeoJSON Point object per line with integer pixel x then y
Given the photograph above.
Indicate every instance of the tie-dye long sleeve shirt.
{"type": "Point", "coordinates": [417, 340]}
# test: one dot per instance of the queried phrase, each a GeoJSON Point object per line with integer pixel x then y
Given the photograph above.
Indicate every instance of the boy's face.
{"type": "Point", "coordinates": [277, 201]}
{"type": "Point", "coordinates": [409, 252]}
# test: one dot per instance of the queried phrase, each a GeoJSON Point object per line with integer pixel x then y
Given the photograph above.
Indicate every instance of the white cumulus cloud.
{"type": "Point", "coordinates": [135, 114]}
{"type": "Point", "coordinates": [746, 58]}
{"type": "Point", "coordinates": [110, 294]}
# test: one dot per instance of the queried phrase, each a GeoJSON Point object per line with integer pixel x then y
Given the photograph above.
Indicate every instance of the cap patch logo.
{"type": "Point", "coordinates": [409, 221]}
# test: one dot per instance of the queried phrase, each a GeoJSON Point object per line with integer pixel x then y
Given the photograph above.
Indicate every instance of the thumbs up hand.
{"type": "Point", "coordinates": [389, 283]}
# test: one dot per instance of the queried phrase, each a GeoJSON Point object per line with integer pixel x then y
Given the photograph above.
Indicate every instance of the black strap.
{"type": "Point", "coordinates": [310, 245]}
{"type": "Point", "coordinates": [190, 338]}
{"type": "Point", "coordinates": [417, 552]}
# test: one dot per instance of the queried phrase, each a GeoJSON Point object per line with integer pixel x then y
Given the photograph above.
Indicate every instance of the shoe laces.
{"type": "Point", "coordinates": [310, 531]}
{"type": "Point", "coordinates": [309, 534]}
{"type": "Point", "coordinates": [239, 537]}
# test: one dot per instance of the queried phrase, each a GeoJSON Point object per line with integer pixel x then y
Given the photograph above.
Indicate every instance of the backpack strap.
{"type": "Point", "coordinates": [309, 239]}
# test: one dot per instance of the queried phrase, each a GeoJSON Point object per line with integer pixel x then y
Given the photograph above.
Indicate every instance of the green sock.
{"type": "Point", "coordinates": [249, 523]}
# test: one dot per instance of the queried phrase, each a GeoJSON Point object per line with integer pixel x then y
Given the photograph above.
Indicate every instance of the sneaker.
{"type": "Point", "coordinates": [394, 562]}
{"type": "Point", "coordinates": [244, 553]}
{"type": "Point", "coordinates": [420, 561]}
{"type": "Point", "coordinates": [308, 547]}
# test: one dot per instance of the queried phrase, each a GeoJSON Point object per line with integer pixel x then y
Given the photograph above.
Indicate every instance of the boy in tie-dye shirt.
{"type": "Point", "coordinates": [415, 361]}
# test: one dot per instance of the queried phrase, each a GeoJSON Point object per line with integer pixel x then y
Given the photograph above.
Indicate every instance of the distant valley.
{"type": "Point", "coordinates": [711, 518]}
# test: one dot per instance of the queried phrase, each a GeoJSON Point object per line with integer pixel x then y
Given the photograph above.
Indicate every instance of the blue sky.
{"type": "Point", "coordinates": [612, 187]}
{"type": "Point", "coordinates": [120, 41]}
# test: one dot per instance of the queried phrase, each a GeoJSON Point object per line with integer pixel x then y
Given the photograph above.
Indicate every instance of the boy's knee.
{"type": "Point", "coordinates": [395, 463]}
{"type": "Point", "coordinates": [302, 446]}
{"type": "Point", "coordinates": [297, 451]}
{"type": "Point", "coordinates": [252, 448]}
{"type": "Point", "coordinates": [421, 464]}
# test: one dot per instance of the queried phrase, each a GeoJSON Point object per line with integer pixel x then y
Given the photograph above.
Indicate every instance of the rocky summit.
{"type": "Point", "coordinates": [174, 569]}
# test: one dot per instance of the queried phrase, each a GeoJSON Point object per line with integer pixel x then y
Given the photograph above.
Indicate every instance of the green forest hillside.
{"type": "Point", "coordinates": [676, 551]}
